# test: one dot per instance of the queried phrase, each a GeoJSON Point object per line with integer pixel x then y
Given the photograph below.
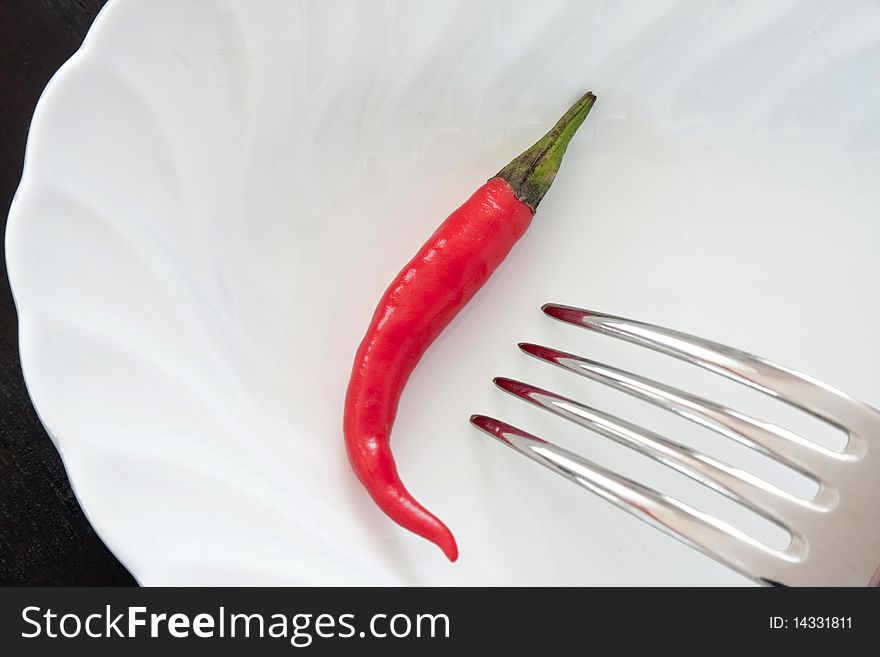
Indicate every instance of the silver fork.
{"type": "Point", "coordinates": [834, 537]}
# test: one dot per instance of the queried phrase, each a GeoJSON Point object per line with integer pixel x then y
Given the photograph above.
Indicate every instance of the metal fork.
{"type": "Point", "coordinates": [834, 537]}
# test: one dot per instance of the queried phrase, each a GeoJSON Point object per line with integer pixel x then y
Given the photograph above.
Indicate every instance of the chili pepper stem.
{"type": "Point", "coordinates": [531, 173]}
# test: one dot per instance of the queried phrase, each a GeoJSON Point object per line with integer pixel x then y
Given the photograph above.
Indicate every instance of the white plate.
{"type": "Point", "coordinates": [217, 192]}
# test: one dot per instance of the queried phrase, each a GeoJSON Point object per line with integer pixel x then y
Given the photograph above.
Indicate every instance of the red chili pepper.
{"type": "Point", "coordinates": [424, 297]}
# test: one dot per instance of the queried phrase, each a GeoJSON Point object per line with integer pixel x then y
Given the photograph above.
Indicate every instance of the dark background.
{"type": "Point", "coordinates": [44, 537]}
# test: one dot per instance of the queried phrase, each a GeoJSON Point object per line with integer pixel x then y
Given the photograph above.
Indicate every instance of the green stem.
{"type": "Point", "coordinates": [531, 174]}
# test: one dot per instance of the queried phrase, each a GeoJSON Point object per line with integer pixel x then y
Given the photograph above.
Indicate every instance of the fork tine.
{"type": "Point", "coordinates": [814, 396]}
{"type": "Point", "coordinates": [713, 537]}
{"type": "Point", "coordinates": [785, 446]}
{"type": "Point", "coordinates": [745, 488]}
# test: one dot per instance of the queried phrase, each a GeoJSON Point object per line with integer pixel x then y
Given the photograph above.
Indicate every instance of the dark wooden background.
{"type": "Point", "coordinates": [44, 537]}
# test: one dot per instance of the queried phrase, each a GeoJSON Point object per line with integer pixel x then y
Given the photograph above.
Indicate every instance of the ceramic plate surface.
{"type": "Point", "coordinates": [217, 192]}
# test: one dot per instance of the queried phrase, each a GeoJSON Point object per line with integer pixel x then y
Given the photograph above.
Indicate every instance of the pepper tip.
{"type": "Point", "coordinates": [444, 540]}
